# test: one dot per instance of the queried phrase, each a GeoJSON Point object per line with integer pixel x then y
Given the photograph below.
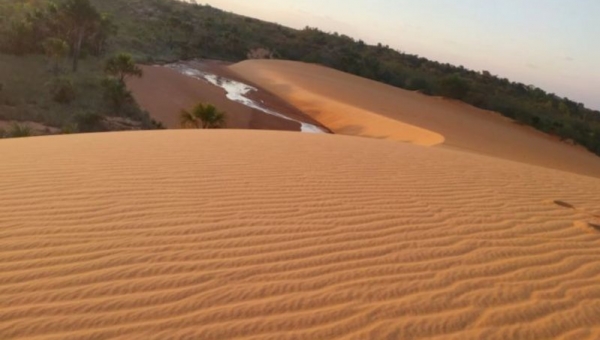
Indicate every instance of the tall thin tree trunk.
{"type": "Point", "coordinates": [77, 49]}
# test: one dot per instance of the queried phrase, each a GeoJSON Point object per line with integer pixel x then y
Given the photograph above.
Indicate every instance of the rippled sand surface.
{"type": "Point", "coordinates": [282, 235]}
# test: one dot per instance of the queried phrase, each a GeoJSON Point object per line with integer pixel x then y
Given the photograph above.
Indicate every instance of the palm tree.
{"type": "Point", "coordinates": [189, 120]}
{"type": "Point", "coordinates": [121, 66]}
{"type": "Point", "coordinates": [203, 117]}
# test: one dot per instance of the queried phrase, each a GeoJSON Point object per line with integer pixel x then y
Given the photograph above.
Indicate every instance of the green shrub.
{"type": "Point", "coordinates": [419, 84]}
{"type": "Point", "coordinates": [18, 130]}
{"type": "Point", "coordinates": [122, 66]}
{"type": "Point", "coordinates": [157, 125]}
{"type": "Point", "coordinates": [56, 50]}
{"type": "Point", "coordinates": [62, 90]}
{"type": "Point", "coordinates": [454, 87]}
{"type": "Point", "coordinates": [89, 122]}
{"type": "Point", "coordinates": [68, 129]}
{"type": "Point", "coordinates": [116, 93]}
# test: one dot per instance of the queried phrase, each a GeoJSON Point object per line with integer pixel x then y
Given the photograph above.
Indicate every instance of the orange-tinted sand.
{"type": "Point", "coordinates": [164, 92]}
{"type": "Point", "coordinates": [282, 235]}
{"type": "Point", "coordinates": [350, 105]}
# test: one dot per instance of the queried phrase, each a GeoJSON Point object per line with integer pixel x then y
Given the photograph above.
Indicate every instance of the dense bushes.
{"type": "Point", "coordinates": [116, 93]}
{"type": "Point", "coordinates": [454, 86]}
{"type": "Point", "coordinates": [166, 30]}
{"type": "Point", "coordinates": [16, 131]}
{"type": "Point", "coordinates": [89, 122]}
{"type": "Point", "coordinates": [62, 89]}
{"type": "Point", "coordinates": [41, 89]}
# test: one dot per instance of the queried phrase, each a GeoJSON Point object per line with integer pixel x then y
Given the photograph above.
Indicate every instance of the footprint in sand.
{"type": "Point", "coordinates": [594, 224]}
{"type": "Point", "coordinates": [564, 204]}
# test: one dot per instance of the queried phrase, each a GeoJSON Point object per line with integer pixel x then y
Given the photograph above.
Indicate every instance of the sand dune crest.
{"type": "Point", "coordinates": [361, 107]}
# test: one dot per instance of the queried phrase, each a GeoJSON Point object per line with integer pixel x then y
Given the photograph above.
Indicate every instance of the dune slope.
{"type": "Point", "coordinates": [164, 92]}
{"type": "Point", "coordinates": [351, 105]}
{"type": "Point", "coordinates": [275, 235]}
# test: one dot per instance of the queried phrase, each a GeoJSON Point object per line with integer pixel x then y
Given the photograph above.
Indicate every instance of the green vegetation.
{"type": "Point", "coordinates": [117, 69]}
{"type": "Point", "coordinates": [454, 86]}
{"type": "Point", "coordinates": [62, 90]}
{"type": "Point", "coordinates": [16, 131]}
{"type": "Point", "coordinates": [155, 31]}
{"type": "Point", "coordinates": [122, 66]}
{"type": "Point", "coordinates": [35, 43]}
{"type": "Point", "coordinates": [203, 117]}
{"type": "Point", "coordinates": [80, 20]}
{"type": "Point", "coordinates": [56, 50]}
{"type": "Point", "coordinates": [166, 30]}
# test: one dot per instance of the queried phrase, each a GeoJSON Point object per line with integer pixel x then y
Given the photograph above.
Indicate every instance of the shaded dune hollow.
{"type": "Point", "coordinates": [350, 105]}
{"type": "Point", "coordinates": [279, 235]}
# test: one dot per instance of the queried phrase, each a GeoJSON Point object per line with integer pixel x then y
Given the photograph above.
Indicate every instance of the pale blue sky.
{"type": "Point", "coordinates": [553, 44]}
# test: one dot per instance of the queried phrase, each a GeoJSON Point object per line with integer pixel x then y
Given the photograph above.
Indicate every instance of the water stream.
{"type": "Point", "coordinates": [237, 91]}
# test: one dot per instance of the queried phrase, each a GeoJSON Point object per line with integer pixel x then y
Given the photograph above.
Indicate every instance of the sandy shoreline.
{"type": "Point", "coordinates": [239, 92]}
{"type": "Point", "coordinates": [164, 92]}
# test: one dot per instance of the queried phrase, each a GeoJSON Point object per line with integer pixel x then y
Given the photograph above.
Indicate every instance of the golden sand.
{"type": "Point", "coordinates": [351, 105]}
{"type": "Point", "coordinates": [282, 235]}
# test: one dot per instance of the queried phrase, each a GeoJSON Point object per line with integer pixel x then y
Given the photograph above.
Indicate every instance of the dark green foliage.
{"type": "Point", "coordinates": [69, 128]}
{"type": "Point", "coordinates": [89, 122]}
{"type": "Point", "coordinates": [58, 29]}
{"type": "Point", "coordinates": [157, 125]}
{"type": "Point", "coordinates": [56, 49]}
{"type": "Point", "coordinates": [166, 30]}
{"type": "Point", "coordinates": [203, 117]}
{"type": "Point", "coordinates": [116, 93]}
{"type": "Point", "coordinates": [27, 96]}
{"type": "Point", "coordinates": [18, 131]}
{"type": "Point", "coordinates": [157, 31]}
{"type": "Point", "coordinates": [81, 20]}
{"type": "Point", "coordinates": [419, 84]}
{"type": "Point", "coordinates": [454, 86]}
{"type": "Point", "coordinates": [121, 66]}
{"type": "Point", "coordinates": [62, 90]}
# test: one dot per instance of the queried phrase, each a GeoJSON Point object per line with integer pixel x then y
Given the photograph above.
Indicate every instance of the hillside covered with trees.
{"type": "Point", "coordinates": [55, 70]}
{"type": "Point", "coordinates": [156, 31]}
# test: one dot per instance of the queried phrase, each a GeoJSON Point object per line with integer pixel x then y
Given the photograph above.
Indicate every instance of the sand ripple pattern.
{"type": "Point", "coordinates": [273, 235]}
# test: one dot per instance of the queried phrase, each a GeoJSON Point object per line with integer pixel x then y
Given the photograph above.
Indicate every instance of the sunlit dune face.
{"type": "Point", "coordinates": [360, 107]}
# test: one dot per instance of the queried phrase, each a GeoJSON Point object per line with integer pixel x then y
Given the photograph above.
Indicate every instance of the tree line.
{"type": "Point", "coordinates": [72, 29]}
{"type": "Point", "coordinates": [157, 31]}
{"type": "Point", "coordinates": [166, 30]}
{"type": "Point", "coordinates": [54, 28]}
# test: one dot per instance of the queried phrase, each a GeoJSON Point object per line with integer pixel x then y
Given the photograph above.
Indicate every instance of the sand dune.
{"type": "Point", "coordinates": [275, 235]}
{"type": "Point", "coordinates": [350, 105]}
{"type": "Point", "coordinates": [164, 92]}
